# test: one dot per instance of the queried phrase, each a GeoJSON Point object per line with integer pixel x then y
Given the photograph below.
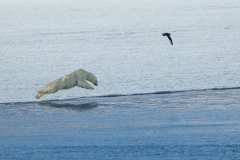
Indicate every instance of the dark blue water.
{"type": "Point", "coordinates": [199, 124]}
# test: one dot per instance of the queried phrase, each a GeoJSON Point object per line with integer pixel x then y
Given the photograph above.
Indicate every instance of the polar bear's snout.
{"type": "Point", "coordinates": [95, 83]}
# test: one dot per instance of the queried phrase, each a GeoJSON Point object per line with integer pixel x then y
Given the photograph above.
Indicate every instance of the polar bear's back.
{"type": "Point", "coordinates": [65, 82]}
{"type": "Point", "coordinates": [80, 74]}
{"type": "Point", "coordinates": [69, 82]}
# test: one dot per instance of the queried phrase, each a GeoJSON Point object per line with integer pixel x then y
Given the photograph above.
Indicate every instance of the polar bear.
{"type": "Point", "coordinates": [76, 78]}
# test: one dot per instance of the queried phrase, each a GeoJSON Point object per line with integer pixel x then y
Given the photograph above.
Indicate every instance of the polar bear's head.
{"type": "Point", "coordinates": [92, 78]}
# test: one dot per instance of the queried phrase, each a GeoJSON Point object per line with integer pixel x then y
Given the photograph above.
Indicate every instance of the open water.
{"type": "Point", "coordinates": [154, 100]}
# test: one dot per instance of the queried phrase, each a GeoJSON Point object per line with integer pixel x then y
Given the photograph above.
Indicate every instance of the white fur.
{"type": "Point", "coordinates": [76, 78]}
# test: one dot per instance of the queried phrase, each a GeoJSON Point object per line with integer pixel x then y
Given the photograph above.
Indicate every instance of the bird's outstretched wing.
{"type": "Point", "coordinates": [170, 39]}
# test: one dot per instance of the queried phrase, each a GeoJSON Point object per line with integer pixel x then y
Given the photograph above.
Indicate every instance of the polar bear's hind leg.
{"type": "Point", "coordinates": [47, 90]}
{"type": "Point", "coordinates": [39, 95]}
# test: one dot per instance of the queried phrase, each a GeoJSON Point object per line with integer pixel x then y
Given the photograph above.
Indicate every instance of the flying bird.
{"type": "Point", "coordinates": [168, 35]}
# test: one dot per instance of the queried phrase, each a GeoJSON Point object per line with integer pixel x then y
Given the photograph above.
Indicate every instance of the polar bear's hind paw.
{"type": "Point", "coordinates": [39, 95]}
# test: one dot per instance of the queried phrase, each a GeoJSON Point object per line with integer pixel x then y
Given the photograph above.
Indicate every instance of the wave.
{"type": "Point", "coordinates": [121, 95]}
{"type": "Point", "coordinates": [171, 92]}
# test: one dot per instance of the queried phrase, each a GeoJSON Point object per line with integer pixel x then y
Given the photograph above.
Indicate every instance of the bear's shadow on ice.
{"type": "Point", "coordinates": [72, 106]}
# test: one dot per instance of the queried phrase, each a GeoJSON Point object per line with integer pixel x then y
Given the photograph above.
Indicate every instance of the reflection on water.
{"type": "Point", "coordinates": [73, 106]}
